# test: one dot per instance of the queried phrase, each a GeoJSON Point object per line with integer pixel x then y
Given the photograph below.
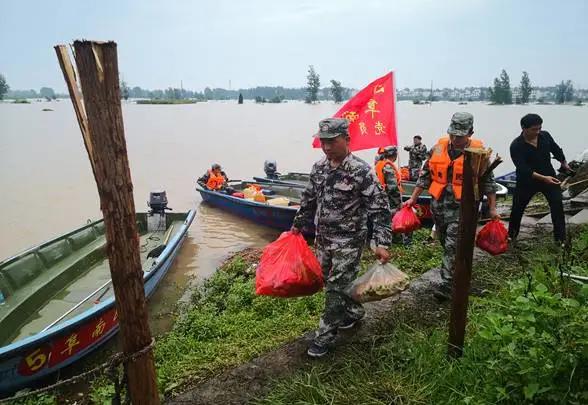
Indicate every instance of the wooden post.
{"type": "Point", "coordinates": [103, 133]}
{"type": "Point", "coordinates": [475, 170]}
{"type": "Point", "coordinates": [468, 219]}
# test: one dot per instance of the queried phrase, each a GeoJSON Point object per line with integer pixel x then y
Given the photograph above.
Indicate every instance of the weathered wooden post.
{"type": "Point", "coordinates": [475, 169]}
{"type": "Point", "coordinates": [99, 115]}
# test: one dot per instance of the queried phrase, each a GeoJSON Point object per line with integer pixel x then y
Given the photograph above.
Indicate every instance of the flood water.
{"type": "Point", "coordinates": [47, 186]}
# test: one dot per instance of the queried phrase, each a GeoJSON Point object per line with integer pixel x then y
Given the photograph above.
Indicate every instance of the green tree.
{"type": "Point", "coordinates": [505, 85]}
{"type": "Point", "coordinates": [48, 93]}
{"type": "Point", "coordinates": [313, 85]}
{"type": "Point", "coordinates": [525, 88]}
{"type": "Point", "coordinates": [336, 91]}
{"type": "Point", "coordinates": [564, 92]}
{"type": "Point", "coordinates": [496, 96]}
{"type": "Point", "coordinates": [501, 92]}
{"type": "Point", "coordinates": [124, 90]}
{"type": "Point", "coordinates": [4, 87]}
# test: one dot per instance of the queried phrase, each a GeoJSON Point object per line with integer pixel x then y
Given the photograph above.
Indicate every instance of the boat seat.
{"type": "Point", "coordinates": [28, 288]}
{"type": "Point", "coordinates": [23, 270]}
{"type": "Point", "coordinates": [55, 252]}
{"type": "Point", "coordinates": [82, 238]}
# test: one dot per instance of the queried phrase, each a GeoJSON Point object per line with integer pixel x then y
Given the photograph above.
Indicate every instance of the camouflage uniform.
{"type": "Point", "coordinates": [417, 154]}
{"type": "Point", "coordinates": [446, 209]}
{"type": "Point", "coordinates": [392, 190]}
{"type": "Point", "coordinates": [339, 201]}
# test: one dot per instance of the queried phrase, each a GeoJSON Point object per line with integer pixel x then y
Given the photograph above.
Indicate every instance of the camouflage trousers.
{"type": "Point", "coordinates": [447, 225]}
{"type": "Point", "coordinates": [340, 264]}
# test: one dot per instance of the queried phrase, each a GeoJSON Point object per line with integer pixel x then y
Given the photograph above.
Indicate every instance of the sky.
{"type": "Point", "coordinates": [453, 43]}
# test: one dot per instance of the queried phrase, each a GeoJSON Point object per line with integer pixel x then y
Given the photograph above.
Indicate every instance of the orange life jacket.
{"type": "Point", "coordinates": [439, 164]}
{"type": "Point", "coordinates": [215, 182]}
{"type": "Point", "coordinates": [380, 172]}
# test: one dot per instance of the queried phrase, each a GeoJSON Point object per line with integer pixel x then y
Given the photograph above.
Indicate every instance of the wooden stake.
{"type": "Point", "coordinates": [475, 169]}
{"type": "Point", "coordinates": [103, 133]}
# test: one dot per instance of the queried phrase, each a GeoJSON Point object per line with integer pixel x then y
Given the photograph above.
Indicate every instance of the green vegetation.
{"type": "Point", "coordinates": [3, 86]}
{"type": "Point", "coordinates": [167, 101]}
{"type": "Point", "coordinates": [313, 85]}
{"type": "Point", "coordinates": [21, 101]}
{"type": "Point", "coordinates": [526, 342]}
{"type": "Point", "coordinates": [525, 88]}
{"type": "Point", "coordinates": [564, 92]}
{"type": "Point", "coordinates": [336, 91]}
{"type": "Point", "coordinates": [124, 90]}
{"type": "Point", "coordinates": [48, 93]}
{"type": "Point", "coordinates": [501, 92]}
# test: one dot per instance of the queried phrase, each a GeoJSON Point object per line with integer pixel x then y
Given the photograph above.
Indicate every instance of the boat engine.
{"type": "Point", "coordinates": [270, 167]}
{"type": "Point", "coordinates": [156, 217]}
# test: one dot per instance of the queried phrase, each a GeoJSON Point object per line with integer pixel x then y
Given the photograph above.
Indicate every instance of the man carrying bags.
{"type": "Point", "coordinates": [442, 175]}
{"type": "Point", "coordinates": [343, 193]}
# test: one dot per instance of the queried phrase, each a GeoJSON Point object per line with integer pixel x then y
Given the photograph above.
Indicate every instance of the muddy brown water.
{"type": "Point", "coordinates": [47, 186]}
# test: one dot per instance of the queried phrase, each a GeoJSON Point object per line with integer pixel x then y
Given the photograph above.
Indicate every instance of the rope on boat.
{"type": "Point", "coordinates": [109, 367]}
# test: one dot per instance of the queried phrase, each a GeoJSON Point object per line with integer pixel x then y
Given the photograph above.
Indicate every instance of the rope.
{"type": "Point", "coordinates": [109, 367]}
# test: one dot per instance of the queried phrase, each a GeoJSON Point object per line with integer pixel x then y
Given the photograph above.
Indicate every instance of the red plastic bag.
{"type": "Point", "coordinates": [288, 268]}
{"type": "Point", "coordinates": [405, 221]}
{"type": "Point", "coordinates": [238, 195]}
{"type": "Point", "coordinates": [493, 238]}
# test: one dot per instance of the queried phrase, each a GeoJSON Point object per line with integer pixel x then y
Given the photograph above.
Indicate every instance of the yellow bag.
{"type": "Point", "coordinates": [281, 201]}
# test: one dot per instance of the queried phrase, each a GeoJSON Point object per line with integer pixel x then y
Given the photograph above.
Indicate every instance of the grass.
{"type": "Point", "coordinates": [526, 342]}
{"type": "Point", "coordinates": [226, 324]}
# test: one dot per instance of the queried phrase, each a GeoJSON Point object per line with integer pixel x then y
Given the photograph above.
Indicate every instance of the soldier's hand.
{"type": "Point", "coordinates": [295, 230]}
{"type": "Point", "coordinates": [382, 254]}
{"type": "Point", "coordinates": [494, 214]}
{"type": "Point", "coordinates": [408, 203]}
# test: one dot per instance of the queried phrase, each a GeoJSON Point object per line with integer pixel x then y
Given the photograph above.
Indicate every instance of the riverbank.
{"type": "Point", "coordinates": [230, 346]}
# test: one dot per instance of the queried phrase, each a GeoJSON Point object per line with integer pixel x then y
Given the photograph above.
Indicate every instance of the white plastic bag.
{"type": "Point", "coordinates": [379, 282]}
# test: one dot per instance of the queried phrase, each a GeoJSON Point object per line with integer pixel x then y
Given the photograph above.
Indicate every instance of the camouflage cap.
{"type": "Point", "coordinates": [332, 128]}
{"type": "Point", "coordinates": [216, 166]}
{"type": "Point", "coordinates": [461, 124]}
{"type": "Point", "coordinates": [388, 151]}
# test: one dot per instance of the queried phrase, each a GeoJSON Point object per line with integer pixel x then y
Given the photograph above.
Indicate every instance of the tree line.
{"type": "Point", "coordinates": [501, 92]}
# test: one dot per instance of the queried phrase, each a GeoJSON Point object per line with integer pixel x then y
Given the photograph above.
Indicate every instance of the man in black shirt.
{"type": "Point", "coordinates": [531, 153]}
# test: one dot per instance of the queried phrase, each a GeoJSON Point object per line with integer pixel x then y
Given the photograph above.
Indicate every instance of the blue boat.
{"type": "Point", "coordinates": [275, 216]}
{"type": "Point", "coordinates": [508, 180]}
{"type": "Point", "coordinates": [41, 283]}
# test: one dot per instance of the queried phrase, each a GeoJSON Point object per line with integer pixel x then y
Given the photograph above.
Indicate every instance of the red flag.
{"type": "Point", "coordinates": [372, 115]}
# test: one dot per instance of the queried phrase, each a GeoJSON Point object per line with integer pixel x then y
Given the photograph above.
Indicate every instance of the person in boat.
{"type": "Point", "coordinates": [417, 154]}
{"type": "Point", "coordinates": [442, 175]}
{"type": "Point", "coordinates": [214, 179]}
{"type": "Point", "coordinates": [531, 154]}
{"type": "Point", "coordinates": [342, 195]}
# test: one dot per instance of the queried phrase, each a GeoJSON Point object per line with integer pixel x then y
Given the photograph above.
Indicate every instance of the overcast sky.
{"type": "Point", "coordinates": [272, 42]}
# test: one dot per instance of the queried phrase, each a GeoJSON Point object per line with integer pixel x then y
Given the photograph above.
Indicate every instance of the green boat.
{"type": "Point", "coordinates": [57, 302]}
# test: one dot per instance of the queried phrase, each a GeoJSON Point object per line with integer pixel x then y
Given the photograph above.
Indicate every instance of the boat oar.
{"type": "Point", "coordinates": [157, 251]}
{"type": "Point", "coordinates": [77, 305]}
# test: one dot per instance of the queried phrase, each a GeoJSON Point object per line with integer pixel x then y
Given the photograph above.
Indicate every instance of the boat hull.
{"type": "Point", "coordinates": [276, 217]}
{"type": "Point", "coordinates": [24, 362]}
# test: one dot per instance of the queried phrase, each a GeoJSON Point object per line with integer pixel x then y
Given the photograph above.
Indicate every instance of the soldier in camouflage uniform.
{"type": "Point", "coordinates": [446, 207]}
{"type": "Point", "coordinates": [343, 192]}
{"type": "Point", "coordinates": [387, 173]}
{"type": "Point", "coordinates": [417, 154]}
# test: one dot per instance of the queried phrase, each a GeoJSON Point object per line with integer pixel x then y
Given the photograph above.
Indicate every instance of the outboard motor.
{"type": "Point", "coordinates": [156, 217]}
{"type": "Point", "coordinates": [270, 168]}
